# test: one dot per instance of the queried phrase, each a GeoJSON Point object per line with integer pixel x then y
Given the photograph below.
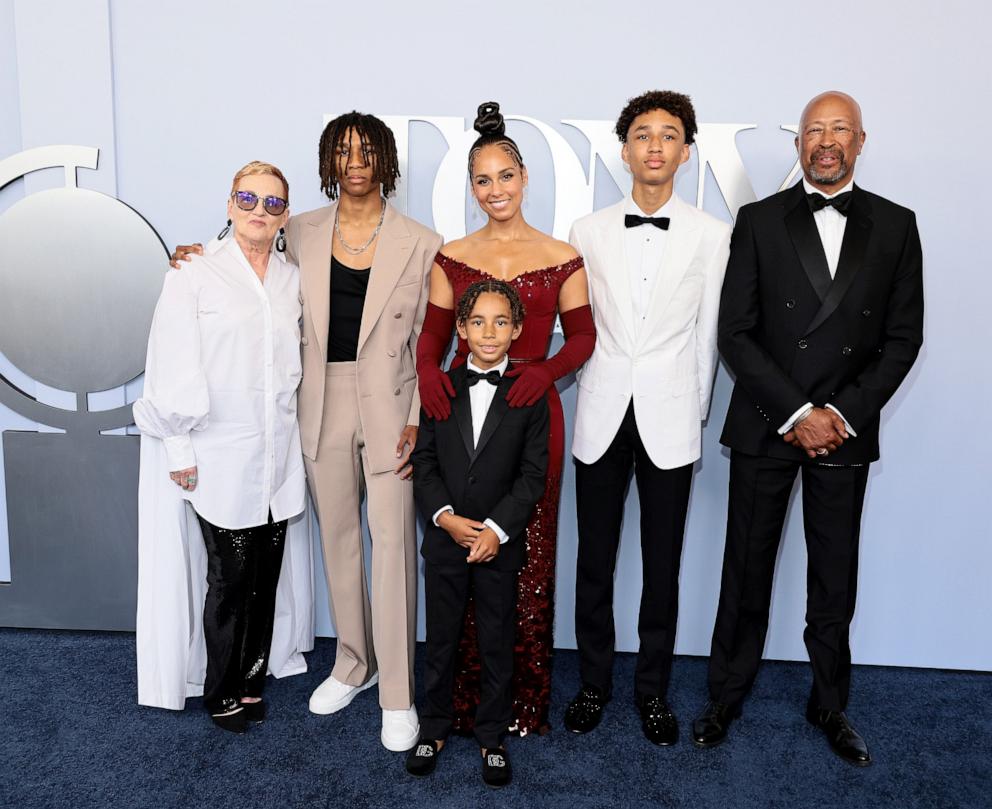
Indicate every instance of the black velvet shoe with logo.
{"type": "Point", "coordinates": [422, 758]}
{"type": "Point", "coordinates": [496, 771]}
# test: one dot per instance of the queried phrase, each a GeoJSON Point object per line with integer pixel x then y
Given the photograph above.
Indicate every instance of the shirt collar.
{"type": "Point", "coordinates": [501, 367]}
{"type": "Point", "coordinates": [813, 190]}
{"type": "Point", "coordinates": [631, 207]}
{"type": "Point", "coordinates": [215, 246]}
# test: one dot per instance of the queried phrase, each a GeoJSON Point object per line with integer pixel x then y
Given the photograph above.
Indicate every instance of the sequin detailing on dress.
{"type": "Point", "coordinates": [538, 289]}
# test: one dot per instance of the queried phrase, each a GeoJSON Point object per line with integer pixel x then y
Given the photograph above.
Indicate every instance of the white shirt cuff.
{"type": "Point", "coordinates": [500, 533]}
{"type": "Point", "coordinates": [850, 429]}
{"type": "Point", "coordinates": [441, 511]}
{"type": "Point", "coordinates": [179, 452]}
{"type": "Point", "coordinates": [802, 411]}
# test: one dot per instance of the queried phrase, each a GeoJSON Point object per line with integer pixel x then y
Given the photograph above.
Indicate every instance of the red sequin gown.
{"type": "Point", "coordinates": [538, 289]}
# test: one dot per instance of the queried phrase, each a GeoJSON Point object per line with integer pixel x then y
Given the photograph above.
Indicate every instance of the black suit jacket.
{"type": "Point", "coordinates": [791, 335]}
{"type": "Point", "coordinates": [502, 478]}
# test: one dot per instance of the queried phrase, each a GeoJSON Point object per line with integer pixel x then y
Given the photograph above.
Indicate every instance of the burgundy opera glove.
{"type": "Point", "coordinates": [536, 378]}
{"type": "Point", "coordinates": [435, 387]}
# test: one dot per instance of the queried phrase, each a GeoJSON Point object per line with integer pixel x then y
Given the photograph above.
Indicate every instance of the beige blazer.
{"type": "Point", "coordinates": [391, 323]}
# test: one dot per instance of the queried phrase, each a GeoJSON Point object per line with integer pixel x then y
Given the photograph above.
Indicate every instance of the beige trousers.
{"type": "Point", "coordinates": [375, 633]}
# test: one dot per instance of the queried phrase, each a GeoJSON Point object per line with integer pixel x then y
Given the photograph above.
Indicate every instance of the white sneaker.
{"type": "Point", "coordinates": [332, 695]}
{"type": "Point", "coordinates": [400, 729]}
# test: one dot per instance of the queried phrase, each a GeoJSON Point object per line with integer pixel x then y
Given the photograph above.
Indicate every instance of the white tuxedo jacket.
{"type": "Point", "coordinates": [668, 364]}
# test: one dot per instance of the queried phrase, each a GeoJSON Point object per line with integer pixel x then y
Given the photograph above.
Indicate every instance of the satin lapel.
{"type": "Point", "coordinates": [316, 235]}
{"type": "Point", "coordinates": [391, 256]}
{"type": "Point", "coordinates": [613, 267]}
{"type": "Point", "coordinates": [683, 238]}
{"type": "Point", "coordinates": [495, 415]}
{"type": "Point", "coordinates": [461, 408]}
{"type": "Point", "coordinates": [857, 232]}
{"type": "Point", "coordinates": [806, 239]}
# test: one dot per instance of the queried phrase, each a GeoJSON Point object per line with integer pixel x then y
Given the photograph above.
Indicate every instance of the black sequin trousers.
{"type": "Point", "coordinates": [242, 573]}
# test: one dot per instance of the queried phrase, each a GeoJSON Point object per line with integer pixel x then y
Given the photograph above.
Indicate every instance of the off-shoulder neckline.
{"type": "Point", "coordinates": [577, 262]}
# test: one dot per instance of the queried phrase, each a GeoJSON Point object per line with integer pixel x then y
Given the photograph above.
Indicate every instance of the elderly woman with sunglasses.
{"type": "Point", "coordinates": [218, 419]}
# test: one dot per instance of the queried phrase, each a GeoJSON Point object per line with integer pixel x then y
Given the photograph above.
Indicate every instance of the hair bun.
{"type": "Point", "coordinates": [489, 121]}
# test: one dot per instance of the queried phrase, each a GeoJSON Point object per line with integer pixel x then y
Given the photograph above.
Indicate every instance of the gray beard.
{"type": "Point", "coordinates": [829, 179]}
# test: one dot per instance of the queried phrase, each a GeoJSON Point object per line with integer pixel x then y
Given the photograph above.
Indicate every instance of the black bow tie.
{"type": "Point", "coordinates": [492, 377]}
{"type": "Point", "coordinates": [840, 203]}
{"type": "Point", "coordinates": [632, 220]}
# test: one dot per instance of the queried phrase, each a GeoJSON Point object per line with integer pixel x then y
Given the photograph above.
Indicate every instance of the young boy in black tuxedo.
{"type": "Point", "coordinates": [476, 479]}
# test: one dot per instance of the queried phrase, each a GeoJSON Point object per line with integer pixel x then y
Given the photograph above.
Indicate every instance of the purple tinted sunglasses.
{"type": "Point", "coordinates": [248, 201]}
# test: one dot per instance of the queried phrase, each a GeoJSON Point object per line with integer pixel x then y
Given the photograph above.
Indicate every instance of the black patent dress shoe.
{"type": "Point", "coordinates": [844, 740]}
{"type": "Point", "coordinates": [496, 771]}
{"type": "Point", "coordinates": [422, 758]}
{"type": "Point", "coordinates": [711, 727]}
{"type": "Point", "coordinates": [254, 711]}
{"type": "Point", "coordinates": [584, 712]}
{"type": "Point", "coordinates": [657, 721]}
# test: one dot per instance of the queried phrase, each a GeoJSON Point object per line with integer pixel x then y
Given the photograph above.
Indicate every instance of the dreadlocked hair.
{"type": "Point", "coordinates": [496, 287]}
{"type": "Point", "coordinates": [378, 146]}
{"type": "Point", "coordinates": [491, 127]}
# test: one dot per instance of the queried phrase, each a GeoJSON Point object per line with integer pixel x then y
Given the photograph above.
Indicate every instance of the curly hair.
{"type": "Point", "coordinates": [378, 145]}
{"type": "Point", "coordinates": [496, 287]}
{"type": "Point", "coordinates": [491, 127]}
{"type": "Point", "coordinates": [673, 103]}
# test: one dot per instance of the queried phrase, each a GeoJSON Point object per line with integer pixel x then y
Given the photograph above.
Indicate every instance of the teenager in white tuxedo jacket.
{"type": "Point", "coordinates": [655, 266]}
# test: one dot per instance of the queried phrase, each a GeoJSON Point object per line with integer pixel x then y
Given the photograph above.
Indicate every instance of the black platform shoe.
{"type": "Point", "coordinates": [235, 722]}
{"type": "Point", "coordinates": [254, 711]}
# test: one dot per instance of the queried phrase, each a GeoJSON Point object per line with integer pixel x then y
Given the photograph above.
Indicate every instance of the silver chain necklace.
{"type": "Point", "coordinates": [355, 251]}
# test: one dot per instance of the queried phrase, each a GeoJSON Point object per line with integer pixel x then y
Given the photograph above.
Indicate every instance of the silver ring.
{"type": "Point", "coordinates": [821, 451]}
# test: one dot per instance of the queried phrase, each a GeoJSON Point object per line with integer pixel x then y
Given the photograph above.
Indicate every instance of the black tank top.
{"type": "Point", "coordinates": [348, 289]}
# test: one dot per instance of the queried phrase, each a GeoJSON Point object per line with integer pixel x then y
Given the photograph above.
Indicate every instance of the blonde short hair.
{"type": "Point", "coordinates": [258, 167]}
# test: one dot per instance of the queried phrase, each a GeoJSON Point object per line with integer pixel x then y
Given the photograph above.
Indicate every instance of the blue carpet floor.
{"type": "Point", "coordinates": [71, 735]}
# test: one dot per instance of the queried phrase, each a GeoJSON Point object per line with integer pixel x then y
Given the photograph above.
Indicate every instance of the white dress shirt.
{"type": "Point", "coordinates": [220, 385]}
{"type": "Point", "coordinates": [830, 224]}
{"type": "Point", "coordinates": [644, 248]}
{"type": "Point", "coordinates": [480, 397]}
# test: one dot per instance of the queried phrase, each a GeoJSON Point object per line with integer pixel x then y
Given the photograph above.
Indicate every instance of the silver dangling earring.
{"type": "Point", "coordinates": [281, 240]}
{"type": "Point", "coordinates": [225, 231]}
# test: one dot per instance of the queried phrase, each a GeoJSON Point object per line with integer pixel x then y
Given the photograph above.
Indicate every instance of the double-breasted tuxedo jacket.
{"type": "Point", "coordinates": [792, 335]}
{"type": "Point", "coordinates": [501, 478]}
{"type": "Point", "coordinates": [391, 321]}
{"type": "Point", "coordinates": [351, 416]}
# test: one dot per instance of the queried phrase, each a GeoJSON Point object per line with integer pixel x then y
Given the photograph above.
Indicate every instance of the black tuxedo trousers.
{"type": "Point", "coordinates": [760, 489]}
{"type": "Point", "coordinates": [663, 494]}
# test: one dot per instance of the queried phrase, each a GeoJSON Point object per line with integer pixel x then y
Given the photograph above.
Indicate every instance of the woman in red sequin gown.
{"type": "Point", "coordinates": [550, 279]}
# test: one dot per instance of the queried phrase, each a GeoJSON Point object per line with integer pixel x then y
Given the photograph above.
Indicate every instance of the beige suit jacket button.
{"type": "Point", "coordinates": [304, 341]}
{"type": "Point", "coordinates": [396, 392]}
{"type": "Point", "coordinates": [391, 353]}
{"type": "Point", "coordinates": [398, 315]}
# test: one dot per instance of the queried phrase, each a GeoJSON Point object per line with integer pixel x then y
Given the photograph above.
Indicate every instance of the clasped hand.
{"type": "Point", "coordinates": [479, 539]}
{"type": "Point", "coordinates": [819, 433]}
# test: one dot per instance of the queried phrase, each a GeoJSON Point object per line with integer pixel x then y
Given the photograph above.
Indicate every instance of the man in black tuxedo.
{"type": "Point", "coordinates": [476, 479]}
{"type": "Point", "coordinates": [821, 319]}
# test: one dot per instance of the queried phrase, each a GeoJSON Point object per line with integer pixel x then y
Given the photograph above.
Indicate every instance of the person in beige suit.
{"type": "Point", "coordinates": [364, 273]}
{"type": "Point", "coordinates": [359, 409]}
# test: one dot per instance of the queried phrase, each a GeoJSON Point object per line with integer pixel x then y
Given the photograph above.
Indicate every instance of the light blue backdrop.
{"type": "Point", "coordinates": [179, 95]}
